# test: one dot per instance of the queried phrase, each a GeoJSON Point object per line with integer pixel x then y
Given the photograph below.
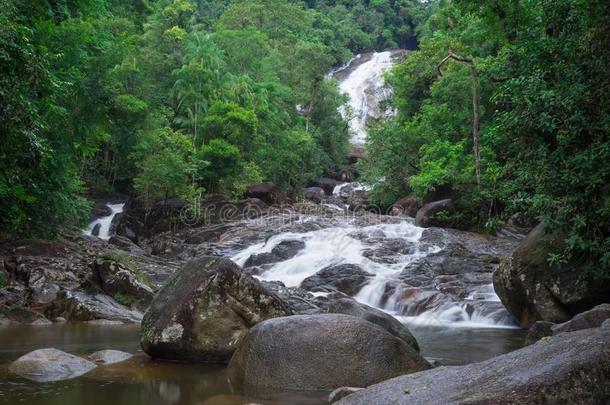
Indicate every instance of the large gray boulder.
{"type": "Point", "coordinates": [45, 365]}
{"type": "Point", "coordinates": [204, 310]}
{"type": "Point", "coordinates": [319, 352]}
{"type": "Point", "coordinates": [335, 304]}
{"type": "Point", "coordinates": [568, 368]}
{"type": "Point", "coordinates": [533, 290]}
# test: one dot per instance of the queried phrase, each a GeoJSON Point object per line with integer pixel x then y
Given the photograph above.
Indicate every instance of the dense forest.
{"type": "Point", "coordinates": [184, 98]}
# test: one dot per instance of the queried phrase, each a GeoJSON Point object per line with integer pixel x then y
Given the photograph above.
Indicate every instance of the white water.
{"type": "Point", "coordinates": [366, 88]}
{"type": "Point", "coordinates": [105, 222]}
{"type": "Point", "coordinates": [347, 243]}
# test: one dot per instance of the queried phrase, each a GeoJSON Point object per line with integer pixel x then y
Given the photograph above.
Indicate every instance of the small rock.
{"type": "Point", "coordinates": [109, 356]}
{"type": "Point", "coordinates": [46, 365]}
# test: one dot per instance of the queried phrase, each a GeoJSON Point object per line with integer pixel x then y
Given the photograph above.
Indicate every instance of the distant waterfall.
{"type": "Point", "coordinates": [362, 80]}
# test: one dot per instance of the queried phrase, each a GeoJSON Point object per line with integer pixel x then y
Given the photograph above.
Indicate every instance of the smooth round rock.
{"type": "Point", "coordinates": [319, 352]}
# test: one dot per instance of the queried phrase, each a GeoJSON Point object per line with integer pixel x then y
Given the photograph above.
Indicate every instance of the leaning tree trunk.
{"type": "Point", "coordinates": [476, 140]}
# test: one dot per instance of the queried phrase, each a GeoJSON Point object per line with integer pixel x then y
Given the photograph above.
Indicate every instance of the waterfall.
{"type": "Point", "coordinates": [105, 222]}
{"type": "Point", "coordinates": [362, 80]}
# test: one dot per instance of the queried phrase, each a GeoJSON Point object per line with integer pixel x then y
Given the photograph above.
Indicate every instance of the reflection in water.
{"type": "Point", "coordinates": [143, 381]}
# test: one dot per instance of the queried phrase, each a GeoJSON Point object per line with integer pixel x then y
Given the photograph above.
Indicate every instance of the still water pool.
{"type": "Point", "coordinates": [143, 381]}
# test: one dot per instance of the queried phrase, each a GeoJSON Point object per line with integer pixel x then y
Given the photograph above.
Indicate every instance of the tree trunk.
{"type": "Point", "coordinates": [476, 140]}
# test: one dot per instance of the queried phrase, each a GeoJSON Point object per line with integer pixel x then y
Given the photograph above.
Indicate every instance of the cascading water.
{"type": "Point", "coordinates": [362, 80]}
{"type": "Point", "coordinates": [104, 222]}
{"type": "Point", "coordinates": [349, 243]}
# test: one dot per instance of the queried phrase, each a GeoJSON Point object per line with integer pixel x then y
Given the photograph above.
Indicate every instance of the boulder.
{"type": "Point", "coordinates": [405, 206]}
{"type": "Point", "coordinates": [346, 278]}
{"type": "Point", "coordinates": [426, 215]}
{"type": "Point", "coordinates": [204, 310]}
{"type": "Point", "coordinates": [327, 184]}
{"type": "Point", "coordinates": [319, 352]}
{"type": "Point", "coordinates": [109, 356]}
{"type": "Point", "coordinates": [568, 368]}
{"type": "Point", "coordinates": [269, 192]}
{"type": "Point", "coordinates": [533, 290]}
{"type": "Point", "coordinates": [315, 194]}
{"type": "Point", "coordinates": [46, 365]}
{"type": "Point", "coordinates": [592, 318]}
{"type": "Point", "coordinates": [340, 304]}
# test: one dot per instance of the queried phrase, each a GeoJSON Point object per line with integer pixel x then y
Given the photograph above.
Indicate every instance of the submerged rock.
{"type": "Point", "coordinates": [567, 368]}
{"type": "Point", "coordinates": [204, 310]}
{"type": "Point", "coordinates": [533, 290]}
{"type": "Point", "coordinates": [319, 352]}
{"type": "Point", "coordinates": [109, 356]}
{"type": "Point", "coordinates": [45, 365]}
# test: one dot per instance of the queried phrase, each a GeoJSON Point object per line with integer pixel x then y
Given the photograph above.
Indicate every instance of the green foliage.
{"type": "Point", "coordinates": [167, 98]}
{"type": "Point", "coordinates": [543, 85]}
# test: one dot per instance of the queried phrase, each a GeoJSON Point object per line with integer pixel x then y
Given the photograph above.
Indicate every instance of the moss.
{"type": "Point", "coordinates": [2, 279]}
{"type": "Point", "coordinates": [123, 299]}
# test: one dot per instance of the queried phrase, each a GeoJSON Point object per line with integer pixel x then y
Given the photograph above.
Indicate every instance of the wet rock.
{"type": "Point", "coordinates": [315, 194]}
{"type": "Point", "coordinates": [592, 318]}
{"type": "Point", "coordinates": [96, 229]}
{"type": "Point", "coordinates": [405, 206]}
{"type": "Point", "coordinates": [346, 278]}
{"type": "Point", "coordinates": [532, 290]}
{"type": "Point", "coordinates": [203, 311]}
{"type": "Point", "coordinates": [319, 352]}
{"type": "Point", "coordinates": [46, 365]}
{"type": "Point", "coordinates": [109, 356]}
{"type": "Point", "coordinates": [341, 393]}
{"type": "Point", "coordinates": [427, 215]}
{"type": "Point", "coordinates": [298, 300]}
{"type": "Point", "coordinates": [284, 250]}
{"type": "Point", "coordinates": [98, 210]}
{"type": "Point", "coordinates": [567, 368]}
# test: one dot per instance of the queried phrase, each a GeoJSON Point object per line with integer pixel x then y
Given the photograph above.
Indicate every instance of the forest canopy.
{"type": "Point", "coordinates": [172, 98]}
